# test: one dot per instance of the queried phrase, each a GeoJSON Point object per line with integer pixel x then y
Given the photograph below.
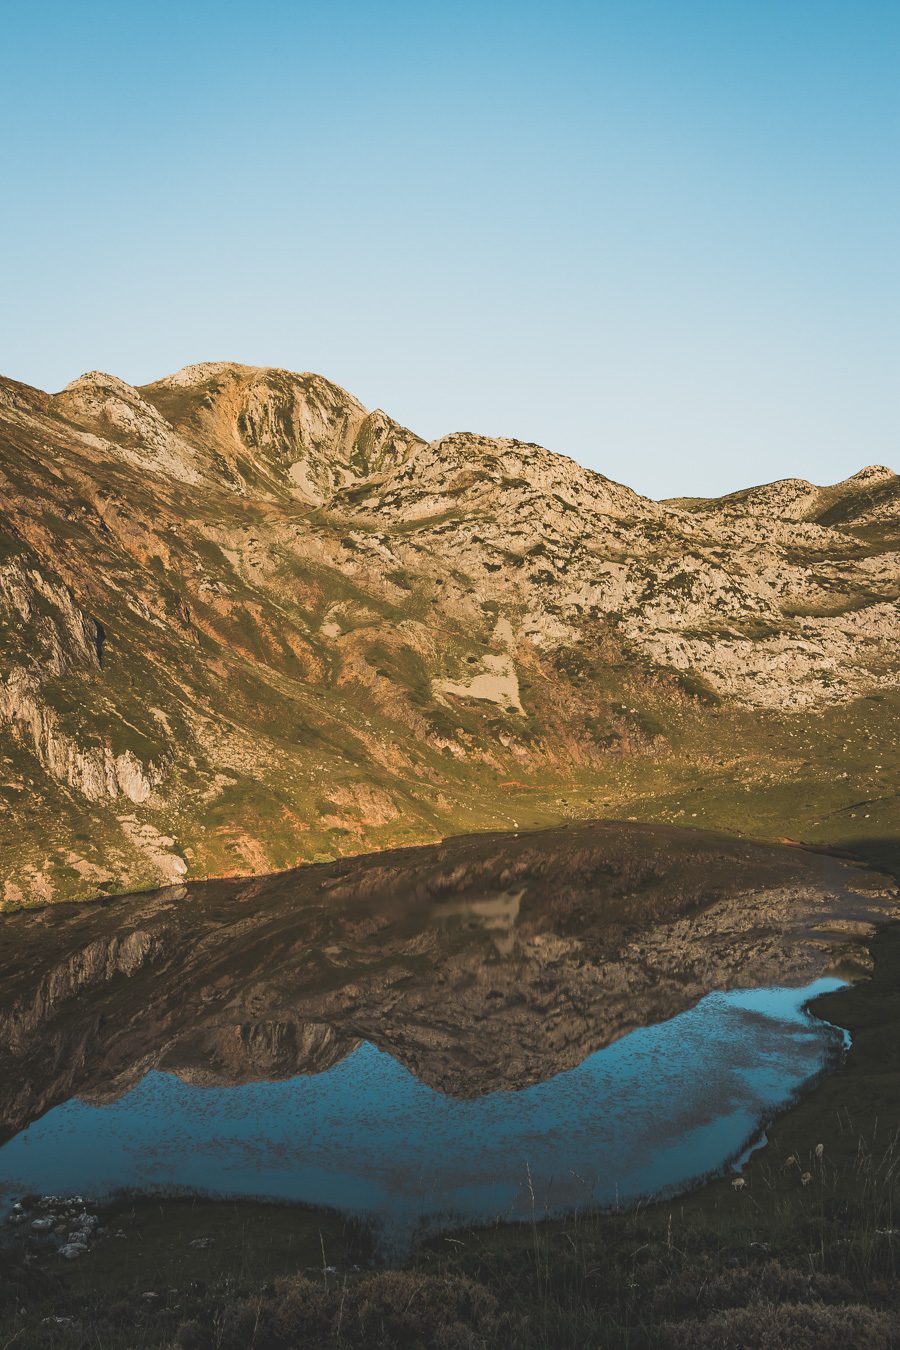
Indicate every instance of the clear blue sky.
{"type": "Point", "coordinates": [662, 236]}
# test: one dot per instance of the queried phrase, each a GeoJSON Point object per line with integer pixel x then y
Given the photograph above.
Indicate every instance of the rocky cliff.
{"type": "Point", "coordinates": [247, 623]}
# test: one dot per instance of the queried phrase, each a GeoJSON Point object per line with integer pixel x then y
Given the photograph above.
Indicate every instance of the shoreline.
{"type": "Point", "coordinates": [429, 1228]}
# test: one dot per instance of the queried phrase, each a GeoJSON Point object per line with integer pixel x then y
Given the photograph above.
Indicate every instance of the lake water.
{"type": "Point", "coordinates": [651, 1112]}
{"type": "Point", "coordinates": [493, 1027]}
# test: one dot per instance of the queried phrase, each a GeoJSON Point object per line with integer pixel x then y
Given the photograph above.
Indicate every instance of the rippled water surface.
{"type": "Point", "coordinates": [652, 1111]}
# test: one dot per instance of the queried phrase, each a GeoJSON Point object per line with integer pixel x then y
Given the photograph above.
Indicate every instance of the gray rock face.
{"type": "Point", "coordinates": [96, 773]}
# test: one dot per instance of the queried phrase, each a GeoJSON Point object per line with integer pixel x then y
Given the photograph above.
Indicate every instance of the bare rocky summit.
{"type": "Point", "coordinates": [248, 623]}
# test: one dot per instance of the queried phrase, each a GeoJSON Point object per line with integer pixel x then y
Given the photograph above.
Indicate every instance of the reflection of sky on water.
{"type": "Point", "coordinates": [656, 1109]}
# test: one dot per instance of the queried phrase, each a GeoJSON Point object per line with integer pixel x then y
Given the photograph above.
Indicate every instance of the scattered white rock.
{"type": "Point", "coordinates": [72, 1250]}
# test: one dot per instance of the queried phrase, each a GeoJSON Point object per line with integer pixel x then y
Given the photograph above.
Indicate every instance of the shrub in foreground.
{"type": "Point", "coordinates": [798, 1326]}
{"type": "Point", "coordinates": [393, 1310]}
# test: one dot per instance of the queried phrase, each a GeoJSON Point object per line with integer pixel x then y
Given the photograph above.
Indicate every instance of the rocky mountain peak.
{"type": "Point", "coordinates": [133, 428]}
{"type": "Point", "coordinates": [204, 371]}
{"type": "Point", "coordinates": [279, 433]}
{"type": "Point", "coordinates": [872, 473]}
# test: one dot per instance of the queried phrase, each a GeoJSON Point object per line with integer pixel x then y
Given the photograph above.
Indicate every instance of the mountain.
{"type": "Point", "coordinates": [247, 623]}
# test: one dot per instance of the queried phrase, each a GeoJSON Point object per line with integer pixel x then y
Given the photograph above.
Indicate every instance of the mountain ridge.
{"type": "Point", "coordinates": [248, 622]}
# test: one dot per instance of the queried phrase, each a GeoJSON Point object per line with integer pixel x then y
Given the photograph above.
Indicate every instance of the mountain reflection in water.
{"type": "Point", "coordinates": [655, 1110]}
{"type": "Point", "coordinates": [416, 1032]}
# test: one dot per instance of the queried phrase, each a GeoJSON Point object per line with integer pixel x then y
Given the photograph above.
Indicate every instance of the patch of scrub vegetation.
{"type": "Point", "coordinates": [403, 666]}
{"type": "Point", "coordinates": [405, 580]}
{"type": "Point", "coordinates": [694, 685]}
{"type": "Point", "coordinates": [835, 605]}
